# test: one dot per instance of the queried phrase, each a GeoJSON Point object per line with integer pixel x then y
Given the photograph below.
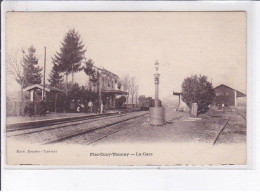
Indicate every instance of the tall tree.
{"type": "Point", "coordinates": [133, 87]}
{"type": "Point", "coordinates": [71, 54]}
{"type": "Point", "coordinates": [16, 69]}
{"type": "Point", "coordinates": [32, 71]}
{"type": "Point", "coordinates": [56, 77]}
{"type": "Point", "coordinates": [91, 71]}
{"type": "Point", "coordinates": [197, 89]}
{"type": "Point", "coordinates": [25, 71]}
{"type": "Point", "coordinates": [130, 85]}
{"type": "Point", "coordinates": [94, 76]}
{"type": "Point", "coordinates": [126, 85]}
{"type": "Point", "coordinates": [136, 93]}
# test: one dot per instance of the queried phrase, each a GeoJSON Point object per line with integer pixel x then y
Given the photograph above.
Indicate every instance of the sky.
{"type": "Point", "coordinates": [184, 43]}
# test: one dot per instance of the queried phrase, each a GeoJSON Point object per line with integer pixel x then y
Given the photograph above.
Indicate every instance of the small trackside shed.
{"type": "Point", "coordinates": [52, 97]}
{"type": "Point", "coordinates": [226, 95]}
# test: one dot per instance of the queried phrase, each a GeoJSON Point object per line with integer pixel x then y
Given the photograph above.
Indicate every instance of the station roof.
{"type": "Point", "coordinates": [229, 87]}
{"type": "Point", "coordinates": [108, 73]}
{"type": "Point", "coordinates": [40, 86]}
{"type": "Point", "coordinates": [177, 93]}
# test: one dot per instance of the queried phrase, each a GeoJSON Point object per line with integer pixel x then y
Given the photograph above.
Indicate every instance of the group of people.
{"type": "Point", "coordinates": [91, 107]}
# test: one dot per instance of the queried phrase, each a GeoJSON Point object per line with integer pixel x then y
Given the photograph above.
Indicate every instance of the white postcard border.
{"type": "Point", "coordinates": [252, 138]}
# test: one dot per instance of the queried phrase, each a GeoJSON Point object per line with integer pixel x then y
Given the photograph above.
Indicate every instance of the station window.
{"type": "Point", "coordinates": [108, 83]}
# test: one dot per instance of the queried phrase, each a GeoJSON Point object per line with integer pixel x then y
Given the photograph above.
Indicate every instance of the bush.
{"type": "Point", "coordinates": [80, 94]}
{"type": "Point", "coordinates": [120, 101]}
{"type": "Point", "coordinates": [197, 89]}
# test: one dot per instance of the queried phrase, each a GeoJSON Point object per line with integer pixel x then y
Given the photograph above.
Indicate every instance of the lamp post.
{"type": "Point", "coordinates": [156, 113]}
{"type": "Point", "coordinates": [156, 82]}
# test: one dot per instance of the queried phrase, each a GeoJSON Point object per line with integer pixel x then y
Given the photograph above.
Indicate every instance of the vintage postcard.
{"type": "Point", "coordinates": [126, 88]}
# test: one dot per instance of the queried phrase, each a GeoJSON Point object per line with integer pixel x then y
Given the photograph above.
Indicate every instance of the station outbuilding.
{"type": "Point", "coordinates": [51, 95]}
{"type": "Point", "coordinates": [228, 96]}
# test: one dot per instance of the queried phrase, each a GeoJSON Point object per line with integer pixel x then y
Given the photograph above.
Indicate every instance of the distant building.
{"type": "Point", "coordinates": [179, 96]}
{"type": "Point", "coordinates": [109, 86]}
{"type": "Point", "coordinates": [227, 96]}
{"type": "Point", "coordinates": [144, 102]}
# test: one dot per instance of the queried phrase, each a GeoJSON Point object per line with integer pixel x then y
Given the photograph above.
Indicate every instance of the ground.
{"type": "Point", "coordinates": [181, 141]}
{"type": "Point", "coordinates": [178, 128]}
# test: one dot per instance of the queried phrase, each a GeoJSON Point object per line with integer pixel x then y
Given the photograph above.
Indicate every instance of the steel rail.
{"type": "Point", "coordinates": [57, 121]}
{"type": "Point", "coordinates": [238, 113]}
{"type": "Point", "coordinates": [106, 135]}
{"type": "Point", "coordinates": [64, 124]}
{"type": "Point", "coordinates": [222, 129]}
{"type": "Point", "coordinates": [91, 130]}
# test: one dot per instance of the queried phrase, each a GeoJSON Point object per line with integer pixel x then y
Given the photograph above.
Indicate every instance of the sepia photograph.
{"type": "Point", "coordinates": [126, 88]}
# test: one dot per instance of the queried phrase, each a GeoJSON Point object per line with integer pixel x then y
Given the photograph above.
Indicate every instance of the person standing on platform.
{"type": "Point", "coordinates": [72, 106]}
{"type": "Point", "coordinates": [30, 109]}
{"type": "Point", "coordinates": [223, 106]}
{"type": "Point", "coordinates": [90, 106]}
{"type": "Point", "coordinates": [95, 106]}
{"type": "Point", "coordinates": [101, 107]}
{"type": "Point", "coordinates": [42, 108]}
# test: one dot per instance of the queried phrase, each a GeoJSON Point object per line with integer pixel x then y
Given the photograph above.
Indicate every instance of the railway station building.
{"type": "Point", "coordinates": [110, 88]}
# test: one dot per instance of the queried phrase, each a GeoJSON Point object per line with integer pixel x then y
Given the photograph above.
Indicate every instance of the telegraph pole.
{"type": "Point", "coordinates": [44, 69]}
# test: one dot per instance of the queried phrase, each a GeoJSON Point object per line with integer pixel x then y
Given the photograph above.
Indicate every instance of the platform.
{"type": "Point", "coordinates": [38, 121]}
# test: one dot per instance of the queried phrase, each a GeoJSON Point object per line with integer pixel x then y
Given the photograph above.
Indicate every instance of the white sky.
{"type": "Point", "coordinates": [185, 43]}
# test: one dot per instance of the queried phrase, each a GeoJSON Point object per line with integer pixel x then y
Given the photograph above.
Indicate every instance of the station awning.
{"type": "Point", "coordinates": [177, 93]}
{"type": "Point", "coordinates": [114, 92]}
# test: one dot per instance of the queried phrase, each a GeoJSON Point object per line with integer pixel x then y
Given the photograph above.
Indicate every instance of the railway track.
{"type": "Point", "coordinates": [92, 129]}
{"type": "Point", "coordinates": [102, 137]}
{"type": "Point", "coordinates": [23, 131]}
{"type": "Point", "coordinates": [239, 113]}
{"type": "Point", "coordinates": [62, 132]}
{"type": "Point", "coordinates": [227, 123]}
{"type": "Point", "coordinates": [43, 123]}
{"type": "Point", "coordinates": [100, 133]}
{"type": "Point", "coordinates": [221, 130]}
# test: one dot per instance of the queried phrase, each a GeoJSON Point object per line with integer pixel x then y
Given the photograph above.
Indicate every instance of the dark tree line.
{"type": "Point", "coordinates": [66, 61]}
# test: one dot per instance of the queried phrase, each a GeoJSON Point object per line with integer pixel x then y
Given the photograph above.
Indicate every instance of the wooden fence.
{"type": "Point", "coordinates": [241, 101]}
{"type": "Point", "coordinates": [15, 108]}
